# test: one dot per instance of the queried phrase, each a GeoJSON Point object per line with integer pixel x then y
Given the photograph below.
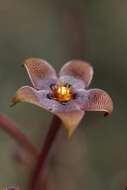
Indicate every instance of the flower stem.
{"type": "Point", "coordinates": [9, 127]}
{"type": "Point", "coordinates": [39, 168]}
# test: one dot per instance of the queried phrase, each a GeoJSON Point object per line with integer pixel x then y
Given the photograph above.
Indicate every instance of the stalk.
{"type": "Point", "coordinates": [50, 138]}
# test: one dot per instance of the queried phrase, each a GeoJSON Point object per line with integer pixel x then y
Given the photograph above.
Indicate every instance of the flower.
{"type": "Point", "coordinates": [66, 96]}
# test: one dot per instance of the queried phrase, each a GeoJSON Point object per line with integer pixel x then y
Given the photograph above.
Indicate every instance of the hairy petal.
{"type": "Point", "coordinates": [40, 72]}
{"type": "Point", "coordinates": [95, 100]}
{"type": "Point", "coordinates": [78, 70]}
{"type": "Point", "coordinates": [71, 120]}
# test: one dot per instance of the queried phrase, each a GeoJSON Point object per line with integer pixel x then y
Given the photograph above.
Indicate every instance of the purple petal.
{"type": "Point", "coordinates": [67, 107]}
{"type": "Point", "coordinates": [70, 112]}
{"type": "Point", "coordinates": [40, 72]}
{"type": "Point", "coordinates": [39, 98]}
{"type": "Point", "coordinates": [79, 70]}
{"type": "Point", "coordinates": [55, 106]}
{"type": "Point", "coordinates": [94, 100]}
{"type": "Point", "coordinates": [81, 97]}
{"type": "Point", "coordinates": [76, 83]}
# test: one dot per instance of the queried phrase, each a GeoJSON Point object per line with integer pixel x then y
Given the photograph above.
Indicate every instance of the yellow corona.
{"type": "Point", "coordinates": [62, 93]}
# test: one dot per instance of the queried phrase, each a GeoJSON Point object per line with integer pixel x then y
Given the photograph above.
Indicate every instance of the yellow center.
{"type": "Point", "coordinates": [62, 93]}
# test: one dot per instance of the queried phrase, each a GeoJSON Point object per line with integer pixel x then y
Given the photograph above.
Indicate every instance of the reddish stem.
{"type": "Point", "coordinates": [39, 168]}
{"type": "Point", "coordinates": [8, 126]}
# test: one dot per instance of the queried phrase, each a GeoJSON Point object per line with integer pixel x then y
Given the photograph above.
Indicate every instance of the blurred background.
{"type": "Point", "coordinates": [58, 31]}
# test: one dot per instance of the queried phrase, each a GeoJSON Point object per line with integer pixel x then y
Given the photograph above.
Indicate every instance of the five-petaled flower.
{"type": "Point", "coordinates": [66, 96]}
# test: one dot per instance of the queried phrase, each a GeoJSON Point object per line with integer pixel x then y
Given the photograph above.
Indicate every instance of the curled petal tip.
{"type": "Point", "coordinates": [26, 94]}
{"type": "Point", "coordinates": [14, 101]}
{"type": "Point", "coordinates": [99, 100]}
{"type": "Point", "coordinates": [109, 108]}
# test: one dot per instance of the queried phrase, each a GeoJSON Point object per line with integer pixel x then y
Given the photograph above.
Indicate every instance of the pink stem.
{"type": "Point", "coordinates": [39, 168]}
{"type": "Point", "coordinates": [9, 127]}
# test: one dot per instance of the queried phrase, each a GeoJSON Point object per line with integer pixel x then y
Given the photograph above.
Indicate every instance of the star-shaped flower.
{"type": "Point", "coordinates": [66, 95]}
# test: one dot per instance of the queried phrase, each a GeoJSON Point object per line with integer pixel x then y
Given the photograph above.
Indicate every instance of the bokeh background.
{"type": "Point", "coordinates": [58, 31]}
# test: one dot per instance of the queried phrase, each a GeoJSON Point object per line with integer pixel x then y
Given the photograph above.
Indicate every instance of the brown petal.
{"type": "Point", "coordinates": [71, 120]}
{"type": "Point", "coordinates": [78, 69]}
{"type": "Point", "coordinates": [99, 100]}
{"type": "Point", "coordinates": [26, 94]}
{"type": "Point", "coordinates": [38, 71]}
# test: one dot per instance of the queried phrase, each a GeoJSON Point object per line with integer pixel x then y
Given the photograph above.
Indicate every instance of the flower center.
{"type": "Point", "coordinates": [62, 92]}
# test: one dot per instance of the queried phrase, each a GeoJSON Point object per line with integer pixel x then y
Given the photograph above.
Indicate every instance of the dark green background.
{"type": "Point", "coordinates": [58, 31]}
